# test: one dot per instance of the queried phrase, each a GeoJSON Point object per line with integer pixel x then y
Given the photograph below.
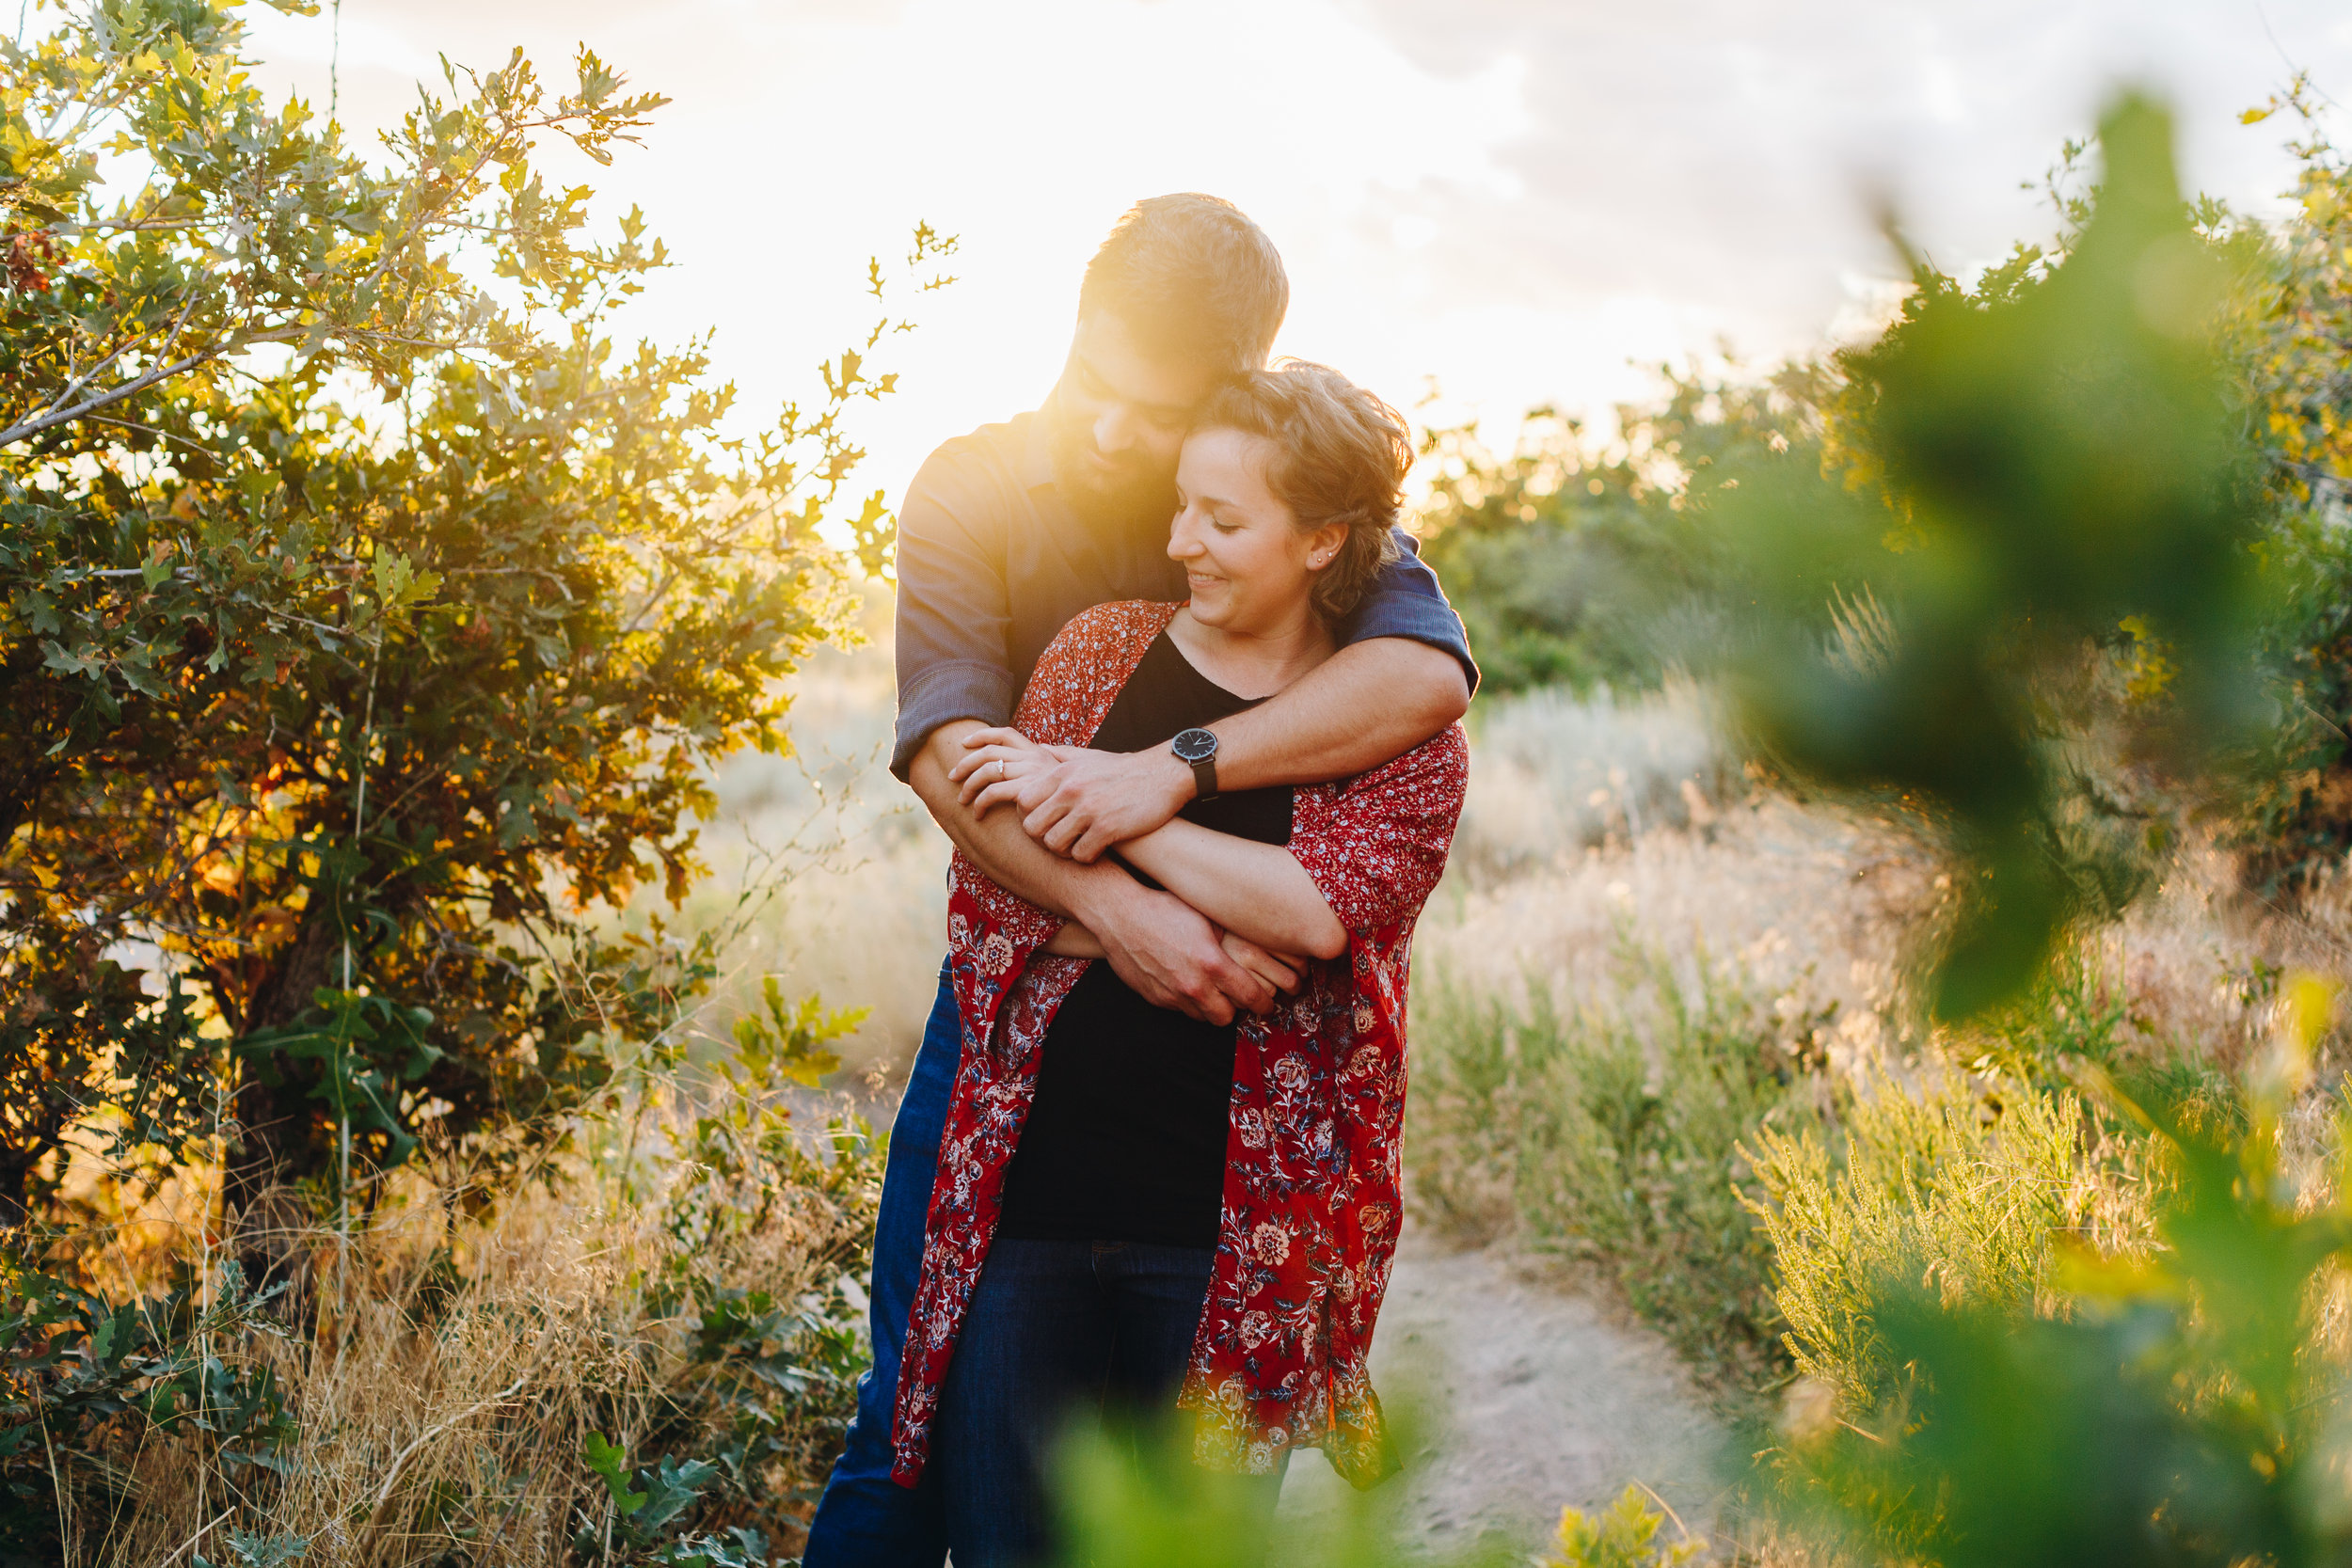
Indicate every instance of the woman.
{"type": "Point", "coordinates": [1132, 1203]}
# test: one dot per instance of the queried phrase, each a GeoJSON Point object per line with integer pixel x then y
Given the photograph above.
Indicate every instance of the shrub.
{"type": "Point", "coordinates": [350, 688]}
{"type": "Point", "coordinates": [1623, 1535]}
{"type": "Point", "coordinates": [1582, 563]}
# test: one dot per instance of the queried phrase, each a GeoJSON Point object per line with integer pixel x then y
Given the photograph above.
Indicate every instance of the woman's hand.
{"type": "Point", "coordinates": [996, 762]}
{"type": "Point", "coordinates": [1074, 941]}
{"type": "Point", "coordinates": [1280, 970]}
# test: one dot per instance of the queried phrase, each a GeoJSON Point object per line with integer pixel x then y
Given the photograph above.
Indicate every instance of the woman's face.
{"type": "Point", "coordinates": [1250, 568]}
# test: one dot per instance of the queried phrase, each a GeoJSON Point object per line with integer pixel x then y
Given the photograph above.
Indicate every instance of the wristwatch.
{"type": "Point", "coordinates": [1197, 749]}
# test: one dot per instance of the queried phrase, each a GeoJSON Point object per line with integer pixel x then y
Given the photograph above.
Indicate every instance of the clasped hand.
{"type": "Point", "coordinates": [1080, 803]}
{"type": "Point", "coordinates": [1076, 801]}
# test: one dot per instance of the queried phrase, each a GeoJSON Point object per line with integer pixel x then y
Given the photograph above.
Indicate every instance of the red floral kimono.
{"type": "Point", "coordinates": [1311, 1190]}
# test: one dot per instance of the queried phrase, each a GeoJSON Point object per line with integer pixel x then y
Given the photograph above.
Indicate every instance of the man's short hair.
{"type": "Point", "coordinates": [1194, 279]}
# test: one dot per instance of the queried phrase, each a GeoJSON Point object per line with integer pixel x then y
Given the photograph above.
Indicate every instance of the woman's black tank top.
{"type": "Point", "coordinates": [1125, 1139]}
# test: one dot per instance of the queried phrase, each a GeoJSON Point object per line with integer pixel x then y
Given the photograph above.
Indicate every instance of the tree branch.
{"type": "Point", "coordinates": [131, 389]}
{"type": "Point", "coordinates": [138, 383]}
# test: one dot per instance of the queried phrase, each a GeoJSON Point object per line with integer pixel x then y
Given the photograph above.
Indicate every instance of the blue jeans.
{"type": "Point", "coordinates": [865, 1519]}
{"type": "Point", "coordinates": [1058, 1332]}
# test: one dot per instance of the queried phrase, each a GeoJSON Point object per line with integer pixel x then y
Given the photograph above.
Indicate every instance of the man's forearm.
{"type": "Point", "coordinates": [1166, 950]}
{"type": "Point", "coordinates": [1367, 703]}
{"type": "Point", "coordinates": [996, 843]}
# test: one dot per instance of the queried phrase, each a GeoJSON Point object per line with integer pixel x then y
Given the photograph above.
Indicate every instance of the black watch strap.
{"type": "Point", "coordinates": [1205, 778]}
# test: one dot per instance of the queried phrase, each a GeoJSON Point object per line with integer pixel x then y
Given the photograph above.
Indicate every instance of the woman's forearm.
{"type": "Point", "coordinates": [1074, 941]}
{"type": "Point", "coordinates": [1255, 890]}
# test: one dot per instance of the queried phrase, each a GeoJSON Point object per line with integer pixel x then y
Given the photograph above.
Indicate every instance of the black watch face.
{"type": "Point", "coordinates": [1194, 745]}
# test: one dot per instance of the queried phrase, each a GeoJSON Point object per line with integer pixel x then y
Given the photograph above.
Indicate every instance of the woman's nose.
{"type": "Point", "coordinates": [1181, 544]}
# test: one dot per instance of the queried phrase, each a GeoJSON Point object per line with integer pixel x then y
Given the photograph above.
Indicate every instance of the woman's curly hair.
{"type": "Point", "coordinates": [1339, 456]}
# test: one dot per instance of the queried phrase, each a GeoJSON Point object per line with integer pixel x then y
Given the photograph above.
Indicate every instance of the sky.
{"type": "Point", "coordinates": [1519, 201]}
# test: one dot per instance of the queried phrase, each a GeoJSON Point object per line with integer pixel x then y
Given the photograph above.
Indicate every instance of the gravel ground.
{"type": "Point", "coordinates": [1526, 1398]}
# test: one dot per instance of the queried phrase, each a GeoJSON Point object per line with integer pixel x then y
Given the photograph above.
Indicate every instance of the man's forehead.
{"type": "Point", "coordinates": [1109, 353]}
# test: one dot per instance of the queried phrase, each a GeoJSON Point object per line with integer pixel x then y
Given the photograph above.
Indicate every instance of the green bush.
{"type": "Point", "coordinates": [361, 711]}
{"type": "Point", "coordinates": [1585, 564]}
{"type": "Point", "coordinates": [1612, 1133]}
{"type": "Point", "coordinates": [1966, 1185]}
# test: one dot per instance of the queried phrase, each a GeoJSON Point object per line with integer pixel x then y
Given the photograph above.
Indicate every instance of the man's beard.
{"type": "Point", "coordinates": [1135, 486]}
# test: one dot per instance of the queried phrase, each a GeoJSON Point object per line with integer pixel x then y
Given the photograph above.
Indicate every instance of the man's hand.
{"type": "Point", "coordinates": [1075, 802]}
{"type": "Point", "coordinates": [1174, 957]}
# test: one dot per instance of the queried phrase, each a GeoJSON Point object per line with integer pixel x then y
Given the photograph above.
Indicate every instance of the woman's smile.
{"type": "Point", "coordinates": [1243, 556]}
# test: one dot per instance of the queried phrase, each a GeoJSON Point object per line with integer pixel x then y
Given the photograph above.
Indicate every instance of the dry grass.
{"type": "Point", "coordinates": [1675, 853]}
{"type": "Point", "coordinates": [446, 1362]}
{"type": "Point", "coordinates": [1817, 909]}
{"type": "Point", "coordinates": [455, 1363]}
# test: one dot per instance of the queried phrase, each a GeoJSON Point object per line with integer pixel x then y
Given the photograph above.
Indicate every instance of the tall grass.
{"type": "Point", "coordinates": [1609, 1131]}
{"type": "Point", "coordinates": [1966, 1188]}
{"type": "Point", "coordinates": [1599, 1025]}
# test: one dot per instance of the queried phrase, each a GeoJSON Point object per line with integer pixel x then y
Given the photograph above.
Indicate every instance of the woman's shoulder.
{"type": "Point", "coordinates": [1123, 628]}
{"type": "Point", "coordinates": [1120, 621]}
{"type": "Point", "coordinates": [1085, 666]}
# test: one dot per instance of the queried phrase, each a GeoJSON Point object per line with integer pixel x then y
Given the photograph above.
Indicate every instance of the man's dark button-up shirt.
{"type": "Point", "coordinates": [993, 560]}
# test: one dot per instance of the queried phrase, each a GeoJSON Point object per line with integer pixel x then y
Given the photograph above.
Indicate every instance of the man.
{"type": "Point", "coordinates": [1003, 537]}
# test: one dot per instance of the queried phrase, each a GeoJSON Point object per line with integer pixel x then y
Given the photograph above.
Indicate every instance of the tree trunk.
{"type": "Point", "coordinates": [282, 1138]}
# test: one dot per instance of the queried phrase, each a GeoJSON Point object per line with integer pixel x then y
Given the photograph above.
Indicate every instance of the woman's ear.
{"type": "Point", "coordinates": [1323, 546]}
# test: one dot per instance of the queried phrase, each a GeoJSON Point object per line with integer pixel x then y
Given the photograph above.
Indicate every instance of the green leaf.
{"type": "Point", "coordinates": [266, 1551]}
{"type": "Point", "coordinates": [610, 1464]}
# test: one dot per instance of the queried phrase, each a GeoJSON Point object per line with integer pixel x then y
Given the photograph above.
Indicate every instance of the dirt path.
{"type": "Point", "coordinates": [1530, 1398]}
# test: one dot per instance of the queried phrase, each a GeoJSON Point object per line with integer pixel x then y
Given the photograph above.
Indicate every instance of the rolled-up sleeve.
{"type": "Point", "coordinates": [953, 616]}
{"type": "Point", "coordinates": [1375, 847]}
{"type": "Point", "coordinates": [1405, 600]}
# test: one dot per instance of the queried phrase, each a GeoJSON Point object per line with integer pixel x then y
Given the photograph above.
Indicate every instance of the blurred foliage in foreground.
{"type": "Point", "coordinates": [2069, 1309]}
{"type": "Point", "coordinates": [2049, 463]}
{"type": "Point", "coordinates": [1137, 1500]}
{"type": "Point", "coordinates": [2211, 476]}
{"type": "Point", "coordinates": [2064, 557]}
{"type": "Point", "coordinates": [2024, 1360]}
